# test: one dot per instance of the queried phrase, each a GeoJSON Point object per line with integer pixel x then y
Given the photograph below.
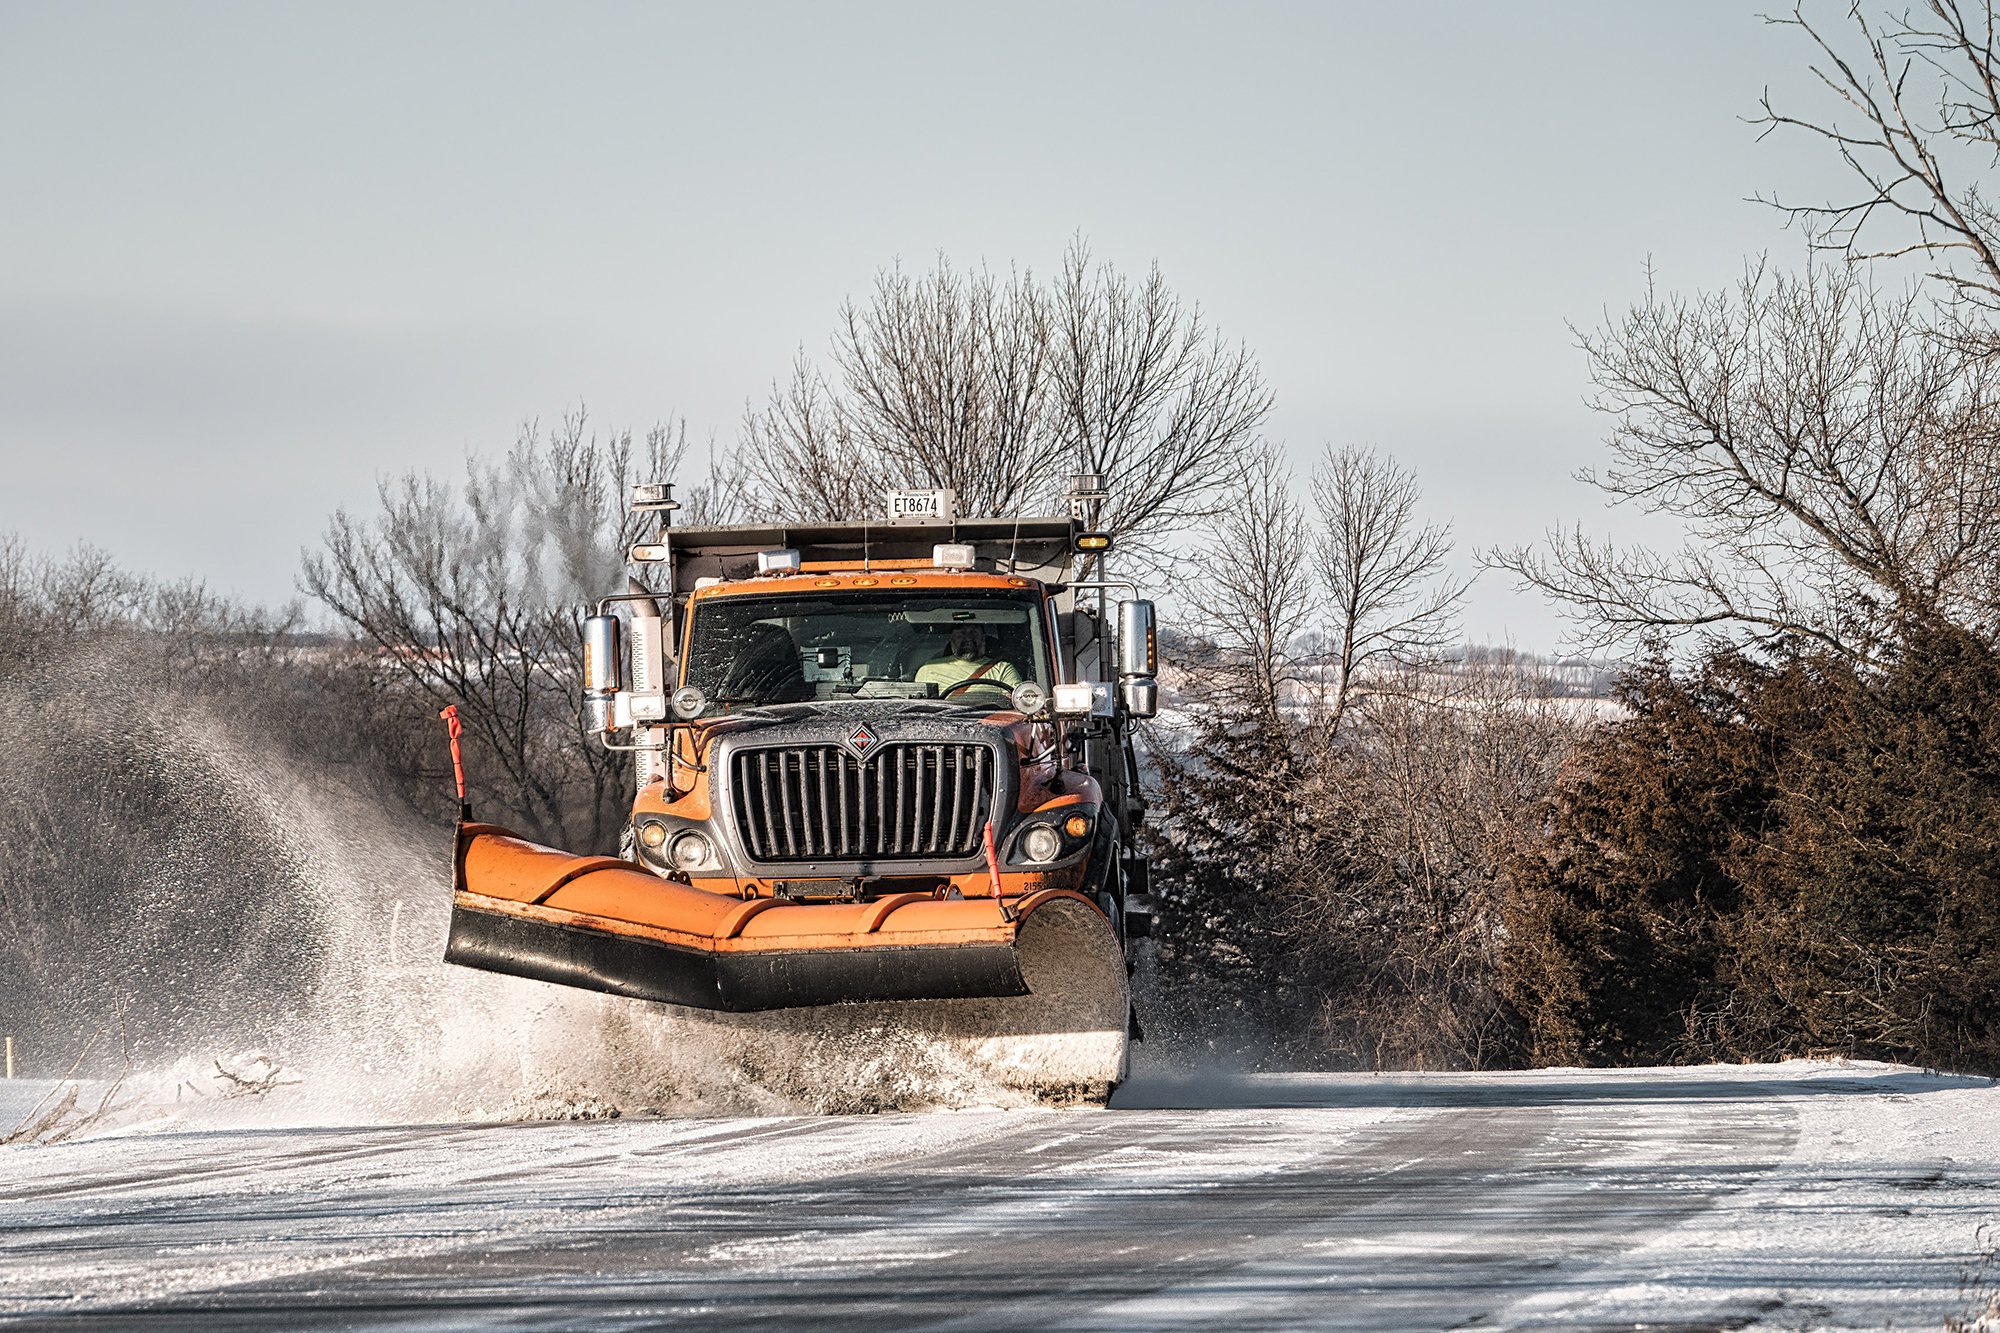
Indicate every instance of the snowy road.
{"type": "Point", "coordinates": [1790, 1197]}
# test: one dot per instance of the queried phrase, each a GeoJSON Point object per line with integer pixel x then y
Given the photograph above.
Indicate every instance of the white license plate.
{"type": "Point", "coordinates": [914, 506]}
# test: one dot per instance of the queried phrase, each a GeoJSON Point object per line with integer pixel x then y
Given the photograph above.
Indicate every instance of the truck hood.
{"type": "Point", "coordinates": [895, 719]}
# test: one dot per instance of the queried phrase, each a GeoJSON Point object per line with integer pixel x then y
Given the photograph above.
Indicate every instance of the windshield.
{"type": "Point", "coordinates": [969, 647]}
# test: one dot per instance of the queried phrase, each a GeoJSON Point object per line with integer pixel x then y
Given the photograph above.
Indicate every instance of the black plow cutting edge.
{"type": "Point", "coordinates": [734, 981]}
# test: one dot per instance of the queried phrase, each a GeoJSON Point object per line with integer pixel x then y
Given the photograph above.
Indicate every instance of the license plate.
{"type": "Point", "coordinates": [922, 506]}
{"type": "Point", "coordinates": [818, 888]}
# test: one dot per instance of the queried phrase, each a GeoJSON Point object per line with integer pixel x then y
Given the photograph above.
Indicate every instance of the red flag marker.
{"type": "Point", "coordinates": [993, 870]}
{"type": "Point", "coordinates": [454, 729]}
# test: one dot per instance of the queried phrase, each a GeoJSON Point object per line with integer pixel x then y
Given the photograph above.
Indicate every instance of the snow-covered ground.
{"type": "Point", "coordinates": [1797, 1196]}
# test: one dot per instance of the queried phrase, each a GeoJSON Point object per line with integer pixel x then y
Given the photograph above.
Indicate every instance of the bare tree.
{"type": "Point", "coordinates": [49, 605]}
{"type": "Point", "coordinates": [1148, 395]}
{"type": "Point", "coordinates": [474, 597]}
{"type": "Point", "coordinates": [1390, 599]}
{"type": "Point", "coordinates": [1257, 587]}
{"type": "Point", "coordinates": [1918, 127]}
{"type": "Point", "coordinates": [946, 376]}
{"type": "Point", "coordinates": [942, 381]}
{"type": "Point", "coordinates": [1444, 781]}
{"type": "Point", "coordinates": [1333, 871]}
{"type": "Point", "coordinates": [806, 449]}
{"type": "Point", "coordinates": [1000, 389]}
{"type": "Point", "coordinates": [1831, 453]}
{"type": "Point", "coordinates": [1836, 468]}
{"type": "Point", "coordinates": [724, 492]}
{"type": "Point", "coordinates": [45, 602]}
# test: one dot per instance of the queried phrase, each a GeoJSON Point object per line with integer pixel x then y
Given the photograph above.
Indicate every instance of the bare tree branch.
{"type": "Point", "coordinates": [1835, 466]}
{"type": "Point", "coordinates": [1917, 123]}
{"type": "Point", "coordinates": [1000, 389]}
{"type": "Point", "coordinates": [1389, 598]}
{"type": "Point", "coordinates": [474, 597]}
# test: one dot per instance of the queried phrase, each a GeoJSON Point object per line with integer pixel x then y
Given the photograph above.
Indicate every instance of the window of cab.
{"type": "Point", "coordinates": [969, 646]}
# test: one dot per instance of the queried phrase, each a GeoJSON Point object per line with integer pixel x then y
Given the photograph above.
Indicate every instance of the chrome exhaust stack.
{"type": "Point", "coordinates": [649, 680]}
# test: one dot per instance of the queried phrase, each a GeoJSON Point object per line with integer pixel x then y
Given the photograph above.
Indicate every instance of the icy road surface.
{"type": "Point", "coordinates": [1800, 1196]}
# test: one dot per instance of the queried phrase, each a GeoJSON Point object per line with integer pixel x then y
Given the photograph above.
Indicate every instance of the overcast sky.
{"type": "Point", "coordinates": [253, 257]}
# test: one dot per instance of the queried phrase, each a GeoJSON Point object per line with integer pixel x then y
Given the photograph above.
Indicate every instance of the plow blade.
{"type": "Point", "coordinates": [1039, 999]}
{"type": "Point", "coordinates": [739, 981]}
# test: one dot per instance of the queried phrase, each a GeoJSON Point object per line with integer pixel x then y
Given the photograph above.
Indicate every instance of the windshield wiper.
{"type": "Point", "coordinates": [748, 703]}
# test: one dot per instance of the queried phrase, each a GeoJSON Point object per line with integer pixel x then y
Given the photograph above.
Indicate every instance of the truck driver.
{"type": "Point", "coordinates": [966, 666]}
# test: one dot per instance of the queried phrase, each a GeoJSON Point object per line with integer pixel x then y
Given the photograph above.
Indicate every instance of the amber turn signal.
{"type": "Point", "coordinates": [1077, 825]}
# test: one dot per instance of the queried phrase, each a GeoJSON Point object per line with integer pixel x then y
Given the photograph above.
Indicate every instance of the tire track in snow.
{"type": "Point", "coordinates": [1312, 1202]}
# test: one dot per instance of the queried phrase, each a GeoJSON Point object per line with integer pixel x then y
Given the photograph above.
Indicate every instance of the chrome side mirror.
{"type": "Point", "coordinates": [1140, 696]}
{"type": "Point", "coordinates": [1138, 650]}
{"type": "Point", "coordinates": [602, 671]}
{"type": "Point", "coordinates": [1138, 659]}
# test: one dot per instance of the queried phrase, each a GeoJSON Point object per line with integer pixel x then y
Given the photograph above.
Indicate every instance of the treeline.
{"type": "Point", "coordinates": [1761, 854]}
{"type": "Point", "coordinates": [1785, 841]}
{"type": "Point", "coordinates": [1775, 854]}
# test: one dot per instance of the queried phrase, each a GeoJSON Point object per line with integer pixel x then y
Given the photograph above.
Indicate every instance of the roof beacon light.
{"type": "Point", "coordinates": [777, 562]}
{"type": "Point", "coordinates": [1093, 541]}
{"type": "Point", "coordinates": [654, 495]}
{"type": "Point", "coordinates": [952, 555]}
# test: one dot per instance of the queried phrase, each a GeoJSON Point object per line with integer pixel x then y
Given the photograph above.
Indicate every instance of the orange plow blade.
{"type": "Point", "coordinates": [1039, 999]}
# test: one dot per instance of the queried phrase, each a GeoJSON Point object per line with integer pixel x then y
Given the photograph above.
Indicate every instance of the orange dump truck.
{"type": "Point", "coordinates": [878, 763]}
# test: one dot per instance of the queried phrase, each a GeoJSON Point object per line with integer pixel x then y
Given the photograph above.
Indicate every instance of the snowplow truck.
{"type": "Point", "coordinates": [885, 763]}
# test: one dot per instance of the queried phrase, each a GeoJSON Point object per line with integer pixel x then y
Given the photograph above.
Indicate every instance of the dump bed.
{"type": "Point", "coordinates": [1039, 548]}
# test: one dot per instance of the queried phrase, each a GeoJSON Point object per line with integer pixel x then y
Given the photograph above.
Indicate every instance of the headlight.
{"type": "Point", "coordinates": [1030, 697]}
{"type": "Point", "coordinates": [1041, 843]}
{"type": "Point", "coordinates": [690, 851]}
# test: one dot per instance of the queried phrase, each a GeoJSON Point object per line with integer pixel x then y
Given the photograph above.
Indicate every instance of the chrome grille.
{"type": "Point", "coordinates": [819, 803]}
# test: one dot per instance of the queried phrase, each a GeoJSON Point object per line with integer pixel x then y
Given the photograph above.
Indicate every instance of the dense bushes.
{"type": "Point", "coordinates": [1771, 858]}
{"type": "Point", "coordinates": [1762, 855]}
{"type": "Point", "coordinates": [1338, 897]}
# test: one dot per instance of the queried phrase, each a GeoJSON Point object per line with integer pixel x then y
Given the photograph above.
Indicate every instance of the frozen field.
{"type": "Point", "coordinates": [1801, 1196]}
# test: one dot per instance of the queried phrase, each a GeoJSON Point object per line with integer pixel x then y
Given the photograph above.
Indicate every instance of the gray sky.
{"type": "Point", "coordinates": [254, 256]}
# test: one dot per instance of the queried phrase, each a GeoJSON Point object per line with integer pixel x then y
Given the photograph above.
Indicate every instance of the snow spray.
{"type": "Point", "coordinates": [365, 1024]}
